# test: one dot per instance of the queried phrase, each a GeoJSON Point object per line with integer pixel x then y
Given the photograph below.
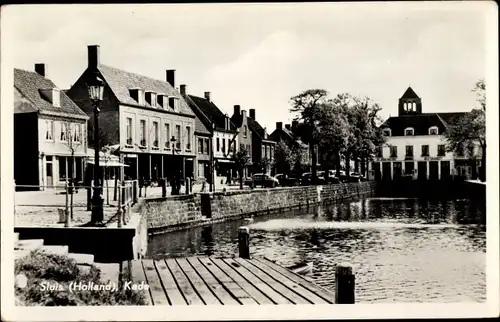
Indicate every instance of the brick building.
{"type": "Point", "coordinates": [224, 134]}
{"type": "Point", "coordinates": [262, 146]}
{"type": "Point", "coordinates": [203, 144]}
{"type": "Point", "coordinates": [48, 125]}
{"type": "Point", "coordinates": [141, 115]}
{"type": "Point", "coordinates": [245, 135]}
{"type": "Point", "coordinates": [416, 146]}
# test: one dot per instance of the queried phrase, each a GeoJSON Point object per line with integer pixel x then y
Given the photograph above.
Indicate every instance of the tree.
{"type": "Point", "coordinates": [73, 138]}
{"type": "Point", "coordinates": [309, 104]}
{"type": "Point", "coordinates": [241, 160]}
{"type": "Point", "coordinates": [469, 130]}
{"type": "Point", "coordinates": [286, 158]}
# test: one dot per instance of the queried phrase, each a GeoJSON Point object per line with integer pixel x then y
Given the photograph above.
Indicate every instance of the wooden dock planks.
{"type": "Point", "coordinates": [226, 281]}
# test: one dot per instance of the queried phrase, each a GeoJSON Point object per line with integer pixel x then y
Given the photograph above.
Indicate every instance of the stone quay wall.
{"type": "Point", "coordinates": [181, 212]}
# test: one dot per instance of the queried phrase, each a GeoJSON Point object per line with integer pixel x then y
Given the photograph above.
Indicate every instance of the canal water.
{"type": "Point", "coordinates": [401, 250]}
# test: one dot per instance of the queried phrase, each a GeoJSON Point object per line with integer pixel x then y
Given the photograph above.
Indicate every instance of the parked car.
{"type": "Point", "coordinates": [286, 181]}
{"type": "Point", "coordinates": [265, 180]}
{"type": "Point", "coordinates": [306, 178]}
{"type": "Point", "coordinates": [357, 176]}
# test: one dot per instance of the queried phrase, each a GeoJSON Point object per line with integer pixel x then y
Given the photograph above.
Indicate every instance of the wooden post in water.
{"type": "Point", "coordinates": [244, 242]}
{"type": "Point", "coordinates": [344, 284]}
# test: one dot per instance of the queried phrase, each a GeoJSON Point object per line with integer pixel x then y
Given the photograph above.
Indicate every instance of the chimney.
{"type": "Point", "coordinates": [243, 114]}
{"type": "Point", "coordinates": [237, 110]}
{"type": "Point", "coordinates": [93, 56]}
{"type": "Point", "coordinates": [183, 89]}
{"type": "Point", "coordinates": [40, 69]}
{"type": "Point", "coordinates": [295, 124]}
{"type": "Point", "coordinates": [252, 113]}
{"type": "Point", "coordinates": [207, 96]}
{"type": "Point", "coordinates": [171, 77]}
{"type": "Point", "coordinates": [279, 125]}
{"type": "Point", "coordinates": [287, 126]}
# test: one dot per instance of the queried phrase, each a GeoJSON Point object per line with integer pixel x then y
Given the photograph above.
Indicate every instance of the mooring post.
{"type": "Point", "coordinates": [344, 284]}
{"type": "Point", "coordinates": [244, 242]}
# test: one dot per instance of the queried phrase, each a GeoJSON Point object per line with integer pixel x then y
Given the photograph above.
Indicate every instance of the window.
{"type": "Point", "coordinates": [223, 146]}
{"type": "Point", "coordinates": [62, 167]}
{"type": "Point", "coordinates": [207, 146]}
{"type": "Point", "coordinates": [409, 132]}
{"type": "Point", "coordinates": [394, 151]}
{"type": "Point", "coordinates": [218, 145]}
{"type": "Point", "coordinates": [142, 132]}
{"type": "Point", "coordinates": [159, 100]}
{"type": "Point", "coordinates": [178, 143]}
{"type": "Point", "coordinates": [156, 142]}
{"type": "Point", "coordinates": [387, 132]}
{"type": "Point", "coordinates": [129, 130]}
{"type": "Point", "coordinates": [441, 150]}
{"type": "Point", "coordinates": [77, 133]}
{"type": "Point", "coordinates": [460, 151]}
{"type": "Point", "coordinates": [200, 146]}
{"type": "Point", "coordinates": [49, 134]}
{"type": "Point", "coordinates": [263, 152]}
{"type": "Point", "coordinates": [409, 150]}
{"type": "Point", "coordinates": [188, 134]}
{"type": "Point", "coordinates": [245, 131]}
{"type": "Point", "coordinates": [433, 130]}
{"type": "Point", "coordinates": [425, 150]}
{"type": "Point", "coordinates": [166, 135]}
{"type": "Point", "coordinates": [63, 132]}
{"type": "Point", "coordinates": [174, 103]}
{"type": "Point", "coordinates": [470, 151]}
{"type": "Point", "coordinates": [379, 152]}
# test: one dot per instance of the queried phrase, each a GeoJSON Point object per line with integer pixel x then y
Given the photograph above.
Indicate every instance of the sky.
{"type": "Point", "coordinates": [259, 55]}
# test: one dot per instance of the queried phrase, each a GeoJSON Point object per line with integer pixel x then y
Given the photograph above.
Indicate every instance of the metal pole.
{"type": "Point", "coordinates": [97, 216]}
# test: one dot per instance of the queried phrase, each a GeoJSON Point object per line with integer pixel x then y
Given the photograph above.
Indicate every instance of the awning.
{"type": "Point", "coordinates": [224, 161]}
{"type": "Point", "coordinates": [108, 163]}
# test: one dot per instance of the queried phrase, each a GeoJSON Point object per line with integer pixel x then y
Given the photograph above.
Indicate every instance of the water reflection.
{"type": "Point", "coordinates": [401, 249]}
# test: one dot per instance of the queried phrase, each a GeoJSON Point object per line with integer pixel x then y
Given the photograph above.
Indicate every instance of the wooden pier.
{"type": "Point", "coordinates": [223, 281]}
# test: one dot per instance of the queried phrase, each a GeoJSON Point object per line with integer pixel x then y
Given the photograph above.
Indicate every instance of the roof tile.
{"type": "Point", "coordinates": [121, 82]}
{"type": "Point", "coordinates": [30, 83]}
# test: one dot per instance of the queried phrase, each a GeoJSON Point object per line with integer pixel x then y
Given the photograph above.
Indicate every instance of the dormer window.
{"type": "Point", "coordinates": [433, 130]}
{"type": "Point", "coordinates": [151, 98]}
{"type": "Point", "coordinates": [53, 95]}
{"type": "Point", "coordinates": [138, 95]}
{"type": "Point", "coordinates": [173, 102]}
{"type": "Point", "coordinates": [409, 131]}
{"type": "Point", "coordinates": [160, 98]}
{"type": "Point", "coordinates": [387, 132]}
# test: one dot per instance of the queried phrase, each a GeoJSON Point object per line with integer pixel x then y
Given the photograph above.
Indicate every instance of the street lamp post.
{"type": "Point", "coordinates": [96, 90]}
{"type": "Point", "coordinates": [174, 181]}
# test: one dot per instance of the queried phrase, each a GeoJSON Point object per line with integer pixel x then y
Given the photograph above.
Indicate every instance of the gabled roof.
{"type": "Point", "coordinates": [287, 135]}
{"type": "Point", "coordinates": [30, 85]}
{"type": "Point", "coordinates": [256, 128]}
{"type": "Point", "coordinates": [410, 93]}
{"type": "Point", "coordinates": [448, 118]}
{"type": "Point", "coordinates": [211, 112]}
{"type": "Point", "coordinates": [420, 123]}
{"type": "Point", "coordinates": [121, 82]}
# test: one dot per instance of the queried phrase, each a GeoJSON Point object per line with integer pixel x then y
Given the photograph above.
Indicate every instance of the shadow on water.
{"type": "Point", "coordinates": [387, 241]}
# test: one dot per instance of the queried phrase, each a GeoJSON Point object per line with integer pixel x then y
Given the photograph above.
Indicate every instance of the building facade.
{"type": "Point", "coordinates": [224, 135]}
{"type": "Point", "coordinates": [263, 148]}
{"type": "Point", "coordinates": [147, 118]}
{"type": "Point", "coordinates": [49, 132]}
{"type": "Point", "coordinates": [203, 141]}
{"type": "Point", "coordinates": [245, 135]}
{"type": "Point", "coordinates": [416, 145]}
